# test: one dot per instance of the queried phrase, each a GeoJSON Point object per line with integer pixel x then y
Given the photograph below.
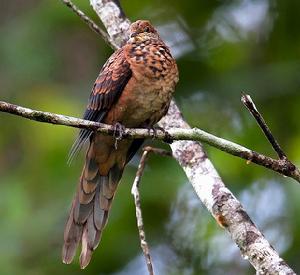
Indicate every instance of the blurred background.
{"type": "Point", "coordinates": [49, 61]}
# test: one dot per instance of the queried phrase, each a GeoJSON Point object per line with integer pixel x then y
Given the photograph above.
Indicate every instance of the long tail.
{"type": "Point", "coordinates": [89, 210]}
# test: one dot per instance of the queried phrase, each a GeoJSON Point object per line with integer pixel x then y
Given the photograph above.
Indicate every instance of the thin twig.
{"type": "Point", "coordinates": [282, 166]}
{"type": "Point", "coordinates": [93, 26]}
{"type": "Point", "coordinates": [249, 104]}
{"type": "Point", "coordinates": [138, 210]}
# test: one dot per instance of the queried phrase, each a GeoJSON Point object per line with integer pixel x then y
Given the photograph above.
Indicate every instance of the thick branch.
{"type": "Point", "coordinates": [221, 203]}
{"type": "Point", "coordinates": [283, 166]}
{"type": "Point", "coordinates": [113, 18]}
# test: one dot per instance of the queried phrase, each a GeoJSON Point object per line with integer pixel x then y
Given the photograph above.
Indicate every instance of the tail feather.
{"type": "Point", "coordinates": [82, 212]}
{"type": "Point", "coordinates": [89, 211]}
{"type": "Point", "coordinates": [72, 236]}
{"type": "Point", "coordinates": [97, 239]}
{"type": "Point", "coordinates": [88, 237]}
{"type": "Point", "coordinates": [98, 212]}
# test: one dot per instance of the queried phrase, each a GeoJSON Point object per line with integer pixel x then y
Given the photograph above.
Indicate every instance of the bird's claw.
{"type": "Point", "coordinates": [168, 139]}
{"type": "Point", "coordinates": [152, 131]}
{"type": "Point", "coordinates": [119, 131]}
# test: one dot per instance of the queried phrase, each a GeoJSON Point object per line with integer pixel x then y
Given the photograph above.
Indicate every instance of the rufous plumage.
{"type": "Point", "coordinates": [134, 89]}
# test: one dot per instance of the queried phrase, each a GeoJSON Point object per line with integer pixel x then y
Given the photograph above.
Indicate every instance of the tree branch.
{"type": "Point", "coordinates": [249, 104]}
{"type": "Point", "coordinates": [138, 210]}
{"type": "Point", "coordinates": [221, 203]}
{"type": "Point", "coordinates": [93, 26]}
{"type": "Point", "coordinates": [113, 18]}
{"type": "Point", "coordinates": [282, 166]}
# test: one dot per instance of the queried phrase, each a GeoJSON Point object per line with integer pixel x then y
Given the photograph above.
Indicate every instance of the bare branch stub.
{"type": "Point", "coordinates": [249, 104]}
{"type": "Point", "coordinates": [136, 194]}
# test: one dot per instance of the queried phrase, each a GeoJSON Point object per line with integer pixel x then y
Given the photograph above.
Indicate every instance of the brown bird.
{"type": "Point", "coordinates": [133, 89]}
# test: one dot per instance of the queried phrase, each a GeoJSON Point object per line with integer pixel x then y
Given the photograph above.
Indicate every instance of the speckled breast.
{"type": "Point", "coordinates": [147, 95]}
{"type": "Point", "coordinates": [155, 75]}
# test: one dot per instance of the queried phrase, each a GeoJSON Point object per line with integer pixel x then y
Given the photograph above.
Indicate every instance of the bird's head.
{"type": "Point", "coordinates": [142, 30]}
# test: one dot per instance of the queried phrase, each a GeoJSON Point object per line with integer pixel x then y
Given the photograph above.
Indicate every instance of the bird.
{"type": "Point", "coordinates": [134, 89]}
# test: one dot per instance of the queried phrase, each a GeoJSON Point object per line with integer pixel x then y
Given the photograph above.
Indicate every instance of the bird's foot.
{"type": "Point", "coordinates": [119, 130]}
{"type": "Point", "coordinates": [152, 131]}
{"type": "Point", "coordinates": [168, 139]}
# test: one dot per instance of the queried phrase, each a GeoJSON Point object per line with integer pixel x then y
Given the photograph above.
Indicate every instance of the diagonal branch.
{"type": "Point", "coordinates": [221, 203]}
{"type": "Point", "coordinates": [282, 166]}
{"type": "Point", "coordinates": [93, 26]}
{"type": "Point", "coordinates": [248, 102]}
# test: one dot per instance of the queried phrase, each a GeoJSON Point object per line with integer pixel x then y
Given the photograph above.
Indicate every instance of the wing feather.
{"type": "Point", "coordinates": [108, 87]}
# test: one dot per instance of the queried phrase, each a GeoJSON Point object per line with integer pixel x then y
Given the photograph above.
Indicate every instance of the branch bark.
{"type": "Point", "coordinates": [249, 104]}
{"type": "Point", "coordinates": [208, 185]}
{"type": "Point", "coordinates": [138, 210]}
{"type": "Point", "coordinates": [93, 26]}
{"type": "Point", "coordinates": [282, 166]}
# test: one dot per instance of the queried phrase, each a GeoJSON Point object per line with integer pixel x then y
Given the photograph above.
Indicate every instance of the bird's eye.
{"type": "Point", "coordinates": [147, 29]}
